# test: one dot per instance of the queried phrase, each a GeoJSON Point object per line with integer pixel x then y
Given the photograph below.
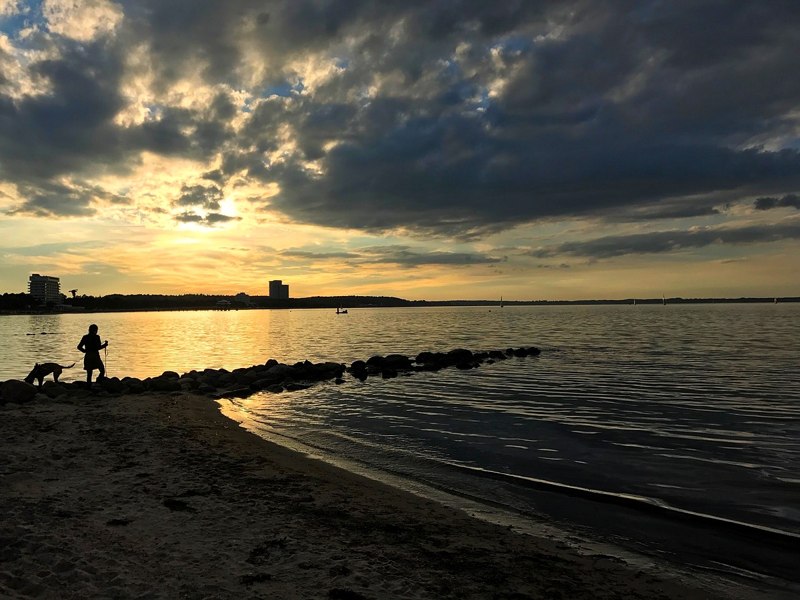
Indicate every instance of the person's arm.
{"type": "Point", "coordinates": [82, 345]}
{"type": "Point", "coordinates": [104, 344]}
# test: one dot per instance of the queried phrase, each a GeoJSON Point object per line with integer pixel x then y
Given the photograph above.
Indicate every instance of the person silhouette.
{"type": "Point", "coordinates": [90, 346]}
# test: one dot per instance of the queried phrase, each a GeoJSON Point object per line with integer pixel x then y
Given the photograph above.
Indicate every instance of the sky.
{"type": "Point", "coordinates": [436, 149]}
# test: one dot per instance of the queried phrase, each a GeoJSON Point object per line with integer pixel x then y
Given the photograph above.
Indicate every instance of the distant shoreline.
{"type": "Point", "coordinates": [320, 302]}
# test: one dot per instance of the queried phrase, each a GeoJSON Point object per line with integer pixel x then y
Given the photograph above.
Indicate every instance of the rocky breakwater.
{"type": "Point", "coordinates": [271, 376]}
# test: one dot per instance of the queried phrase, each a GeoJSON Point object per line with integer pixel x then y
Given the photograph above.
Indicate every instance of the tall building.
{"type": "Point", "coordinates": [278, 290]}
{"type": "Point", "coordinates": [45, 289]}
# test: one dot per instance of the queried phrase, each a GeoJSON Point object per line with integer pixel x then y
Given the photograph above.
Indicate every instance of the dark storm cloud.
{"type": "Point", "coordinates": [404, 256]}
{"type": "Point", "coordinates": [670, 241]}
{"type": "Point", "coordinates": [56, 199]}
{"type": "Point", "coordinates": [667, 209]}
{"type": "Point", "coordinates": [448, 117]}
{"type": "Point", "coordinates": [609, 117]}
{"type": "Point", "coordinates": [769, 202]}
{"type": "Point", "coordinates": [209, 220]}
{"type": "Point", "coordinates": [397, 255]}
{"type": "Point", "coordinates": [308, 255]}
{"type": "Point", "coordinates": [201, 196]}
{"type": "Point", "coordinates": [215, 218]}
{"type": "Point", "coordinates": [70, 130]}
{"type": "Point", "coordinates": [62, 133]}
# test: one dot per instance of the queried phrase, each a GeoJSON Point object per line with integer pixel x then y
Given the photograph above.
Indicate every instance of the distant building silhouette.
{"type": "Point", "coordinates": [278, 290]}
{"type": "Point", "coordinates": [45, 289]}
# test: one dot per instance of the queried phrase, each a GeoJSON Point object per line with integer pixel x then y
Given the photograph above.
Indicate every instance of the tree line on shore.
{"type": "Point", "coordinates": [121, 302]}
{"type": "Point", "coordinates": [23, 302]}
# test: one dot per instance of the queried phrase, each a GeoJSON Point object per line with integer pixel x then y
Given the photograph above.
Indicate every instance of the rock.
{"type": "Point", "coordinates": [326, 370]}
{"type": "Point", "coordinates": [358, 365]}
{"type": "Point", "coordinates": [281, 372]}
{"type": "Point", "coordinates": [520, 352]}
{"type": "Point", "coordinates": [338, 381]}
{"type": "Point", "coordinates": [260, 384]}
{"type": "Point", "coordinates": [465, 365]}
{"type": "Point", "coordinates": [426, 357]}
{"type": "Point", "coordinates": [224, 379]}
{"type": "Point", "coordinates": [274, 388]}
{"type": "Point", "coordinates": [431, 358]}
{"type": "Point", "coordinates": [459, 355]}
{"type": "Point", "coordinates": [53, 389]}
{"type": "Point", "coordinates": [431, 366]}
{"type": "Point", "coordinates": [170, 375]}
{"type": "Point", "coordinates": [388, 373]}
{"type": "Point", "coordinates": [534, 351]}
{"type": "Point", "coordinates": [204, 388]}
{"type": "Point", "coordinates": [111, 384]}
{"type": "Point", "coordinates": [497, 355]}
{"type": "Point", "coordinates": [248, 376]}
{"type": "Point", "coordinates": [188, 385]}
{"type": "Point", "coordinates": [134, 384]}
{"type": "Point", "coordinates": [397, 362]}
{"type": "Point", "coordinates": [375, 361]}
{"type": "Point", "coordinates": [164, 384]}
{"type": "Point", "coordinates": [17, 391]}
{"type": "Point", "coordinates": [271, 363]}
{"type": "Point", "coordinates": [296, 387]}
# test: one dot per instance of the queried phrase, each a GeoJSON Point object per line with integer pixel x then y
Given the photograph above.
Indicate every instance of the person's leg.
{"type": "Point", "coordinates": [89, 376]}
{"type": "Point", "coordinates": [101, 372]}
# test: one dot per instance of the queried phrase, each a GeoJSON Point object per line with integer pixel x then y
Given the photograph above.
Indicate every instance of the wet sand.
{"type": "Point", "coordinates": [160, 496]}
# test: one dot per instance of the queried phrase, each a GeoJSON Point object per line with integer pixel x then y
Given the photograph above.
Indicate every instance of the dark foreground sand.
{"type": "Point", "coordinates": [163, 497]}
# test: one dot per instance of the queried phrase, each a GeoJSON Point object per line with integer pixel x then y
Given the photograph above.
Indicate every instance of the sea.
{"type": "Point", "coordinates": [669, 430]}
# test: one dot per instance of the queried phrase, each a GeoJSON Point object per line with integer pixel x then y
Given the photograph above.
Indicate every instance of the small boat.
{"type": "Point", "coordinates": [341, 311]}
{"type": "Point", "coordinates": [501, 302]}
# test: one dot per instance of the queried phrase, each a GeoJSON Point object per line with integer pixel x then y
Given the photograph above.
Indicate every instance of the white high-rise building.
{"type": "Point", "coordinates": [45, 289]}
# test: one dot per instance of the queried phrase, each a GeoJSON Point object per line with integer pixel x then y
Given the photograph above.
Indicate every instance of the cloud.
{"type": "Point", "coordinates": [207, 197]}
{"type": "Point", "coordinates": [447, 118]}
{"type": "Point", "coordinates": [10, 7]}
{"type": "Point", "coordinates": [209, 220]}
{"type": "Point", "coordinates": [82, 20]}
{"type": "Point", "coordinates": [396, 255]}
{"type": "Point", "coordinates": [52, 248]}
{"type": "Point", "coordinates": [64, 199]}
{"type": "Point", "coordinates": [657, 242]}
{"type": "Point", "coordinates": [770, 202]}
{"type": "Point", "coordinates": [407, 257]}
{"type": "Point", "coordinates": [316, 256]}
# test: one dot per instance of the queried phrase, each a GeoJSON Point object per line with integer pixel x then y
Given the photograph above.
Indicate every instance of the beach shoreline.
{"type": "Point", "coordinates": [163, 496]}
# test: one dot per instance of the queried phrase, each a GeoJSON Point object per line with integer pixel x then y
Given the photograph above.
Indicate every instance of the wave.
{"type": "Point", "coordinates": [642, 503]}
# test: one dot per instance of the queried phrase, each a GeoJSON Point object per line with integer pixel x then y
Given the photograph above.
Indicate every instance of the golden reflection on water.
{"type": "Point", "coordinates": [145, 344]}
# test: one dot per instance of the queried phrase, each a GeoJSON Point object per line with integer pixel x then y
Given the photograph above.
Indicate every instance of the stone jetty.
{"type": "Point", "coordinates": [271, 376]}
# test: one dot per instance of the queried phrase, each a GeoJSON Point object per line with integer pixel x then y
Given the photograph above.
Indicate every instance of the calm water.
{"type": "Point", "coordinates": [694, 407]}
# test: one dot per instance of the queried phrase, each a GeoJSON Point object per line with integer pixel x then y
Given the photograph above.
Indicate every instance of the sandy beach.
{"type": "Point", "coordinates": [161, 496]}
